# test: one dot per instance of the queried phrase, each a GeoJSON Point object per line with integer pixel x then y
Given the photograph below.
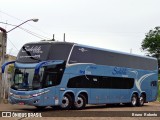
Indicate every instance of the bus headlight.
{"type": "Point", "coordinates": [40, 93]}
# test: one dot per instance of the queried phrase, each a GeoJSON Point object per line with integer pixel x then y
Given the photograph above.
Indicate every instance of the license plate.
{"type": "Point", "coordinates": [21, 103]}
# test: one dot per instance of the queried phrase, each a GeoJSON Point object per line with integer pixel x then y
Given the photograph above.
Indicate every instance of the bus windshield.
{"type": "Point", "coordinates": [25, 79]}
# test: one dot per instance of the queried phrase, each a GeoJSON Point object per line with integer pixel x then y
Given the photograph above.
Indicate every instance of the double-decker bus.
{"type": "Point", "coordinates": [71, 75]}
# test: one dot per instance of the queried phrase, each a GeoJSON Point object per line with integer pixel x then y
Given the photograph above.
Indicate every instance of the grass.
{"type": "Point", "coordinates": [158, 76]}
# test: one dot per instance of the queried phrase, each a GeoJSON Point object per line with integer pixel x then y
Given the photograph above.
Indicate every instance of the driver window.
{"type": "Point", "coordinates": [52, 75]}
{"type": "Point", "coordinates": [49, 80]}
{"type": "Point", "coordinates": [49, 77]}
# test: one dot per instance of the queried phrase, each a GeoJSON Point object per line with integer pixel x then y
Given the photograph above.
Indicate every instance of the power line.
{"type": "Point", "coordinates": [7, 24]}
{"type": "Point", "coordinates": [34, 34]}
{"type": "Point", "coordinates": [38, 29]}
{"type": "Point", "coordinates": [10, 15]}
{"type": "Point", "coordinates": [28, 31]}
{"type": "Point", "coordinates": [13, 44]}
{"type": "Point", "coordinates": [22, 20]}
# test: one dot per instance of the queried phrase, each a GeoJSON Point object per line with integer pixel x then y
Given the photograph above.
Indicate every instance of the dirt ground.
{"type": "Point", "coordinates": [91, 112]}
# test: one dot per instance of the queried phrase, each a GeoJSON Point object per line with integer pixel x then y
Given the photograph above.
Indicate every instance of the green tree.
{"type": "Point", "coordinates": [151, 43]}
{"type": "Point", "coordinates": [10, 69]}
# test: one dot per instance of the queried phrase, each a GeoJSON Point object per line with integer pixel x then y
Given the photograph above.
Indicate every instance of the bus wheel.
{"type": "Point", "coordinates": [141, 100]}
{"type": "Point", "coordinates": [134, 100]}
{"type": "Point", "coordinates": [66, 102]}
{"type": "Point", "coordinates": [80, 103]}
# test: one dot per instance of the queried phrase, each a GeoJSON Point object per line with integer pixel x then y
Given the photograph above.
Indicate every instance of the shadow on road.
{"type": "Point", "coordinates": [88, 107]}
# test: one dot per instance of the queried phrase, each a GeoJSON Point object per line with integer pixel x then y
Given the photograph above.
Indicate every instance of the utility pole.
{"type": "Point", "coordinates": [64, 38]}
{"type": "Point", "coordinates": [131, 50]}
{"type": "Point", "coordinates": [3, 40]}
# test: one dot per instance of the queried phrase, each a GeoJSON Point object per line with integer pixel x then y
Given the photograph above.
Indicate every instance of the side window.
{"type": "Point", "coordinates": [59, 52]}
{"type": "Point", "coordinates": [80, 55]}
{"type": "Point", "coordinates": [51, 79]}
{"type": "Point", "coordinates": [101, 82]}
{"type": "Point", "coordinates": [118, 82]}
{"type": "Point", "coordinates": [78, 82]}
{"type": "Point", "coordinates": [51, 76]}
{"type": "Point", "coordinates": [154, 83]}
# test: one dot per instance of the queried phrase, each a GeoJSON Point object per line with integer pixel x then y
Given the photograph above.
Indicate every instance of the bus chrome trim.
{"type": "Point", "coordinates": [67, 63]}
{"type": "Point", "coordinates": [74, 64]}
{"type": "Point", "coordinates": [62, 89]}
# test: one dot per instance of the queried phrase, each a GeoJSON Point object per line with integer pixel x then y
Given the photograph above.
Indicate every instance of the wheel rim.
{"type": "Point", "coordinates": [134, 101]}
{"type": "Point", "coordinates": [65, 102]}
{"type": "Point", "coordinates": [141, 100]}
{"type": "Point", "coordinates": [79, 102]}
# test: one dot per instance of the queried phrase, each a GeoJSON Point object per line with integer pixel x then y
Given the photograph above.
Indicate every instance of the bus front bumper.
{"type": "Point", "coordinates": [33, 101]}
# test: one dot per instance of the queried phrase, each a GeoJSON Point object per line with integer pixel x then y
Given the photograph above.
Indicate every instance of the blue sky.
{"type": "Point", "coordinates": [113, 24]}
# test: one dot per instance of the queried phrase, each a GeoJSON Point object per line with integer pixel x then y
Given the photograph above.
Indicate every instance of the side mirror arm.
{"type": "Point", "coordinates": [5, 64]}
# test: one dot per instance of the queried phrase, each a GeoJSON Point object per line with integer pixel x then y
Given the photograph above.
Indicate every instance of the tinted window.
{"type": "Point", "coordinates": [89, 55]}
{"type": "Point", "coordinates": [100, 82]}
{"type": "Point", "coordinates": [52, 75]}
{"type": "Point", "coordinates": [59, 51]}
{"type": "Point", "coordinates": [44, 51]}
{"type": "Point", "coordinates": [154, 83]}
{"type": "Point", "coordinates": [33, 53]}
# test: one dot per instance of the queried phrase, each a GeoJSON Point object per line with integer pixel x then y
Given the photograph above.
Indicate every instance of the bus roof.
{"type": "Point", "coordinates": [97, 48]}
{"type": "Point", "coordinates": [50, 42]}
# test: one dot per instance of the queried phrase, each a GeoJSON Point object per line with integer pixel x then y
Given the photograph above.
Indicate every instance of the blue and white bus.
{"type": "Point", "coordinates": [71, 75]}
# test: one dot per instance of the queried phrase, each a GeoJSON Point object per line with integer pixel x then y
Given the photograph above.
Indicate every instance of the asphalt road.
{"type": "Point", "coordinates": [147, 112]}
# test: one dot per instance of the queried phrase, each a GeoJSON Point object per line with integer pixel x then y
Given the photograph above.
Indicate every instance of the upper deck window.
{"type": "Point", "coordinates": [82, 54]}
{"type": "Point", "coordinates": [31, 53]}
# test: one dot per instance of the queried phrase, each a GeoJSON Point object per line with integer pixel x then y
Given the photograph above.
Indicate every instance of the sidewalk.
{"type": "Point", "coordinates": [3, 101]}
{"type": "Point", "coordinates": [10, 107]}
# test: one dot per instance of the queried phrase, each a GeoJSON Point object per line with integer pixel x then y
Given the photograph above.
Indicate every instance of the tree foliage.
{"type": "Point", "coordinates": [10, 69]}
{"type": "Point", "coordinates": [151, 43]}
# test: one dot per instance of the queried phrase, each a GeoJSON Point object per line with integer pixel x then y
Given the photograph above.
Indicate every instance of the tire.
{"type": "Point", "coordinates": [134, 100]}
{"type": "Point", "coordinates": [67, 102]}
{"type": "Point", "coordinates": [141, 100]}
{"type": "Point", "coordinates": [40, 107]}
{"type": "Point", "coordinates": [55, 107]}
{"type": "Point", "coordinates": [80, 103]}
